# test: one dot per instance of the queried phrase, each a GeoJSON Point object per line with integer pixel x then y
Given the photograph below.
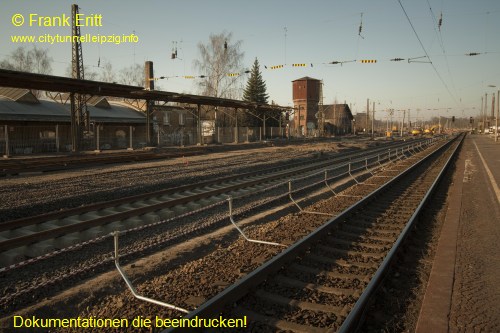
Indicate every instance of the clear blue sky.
{"type": "Point", "coordinates": [318, 32]}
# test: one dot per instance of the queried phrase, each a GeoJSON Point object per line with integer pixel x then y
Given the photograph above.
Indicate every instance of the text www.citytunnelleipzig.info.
{"type": "Point", "coordinates": [86, 38]}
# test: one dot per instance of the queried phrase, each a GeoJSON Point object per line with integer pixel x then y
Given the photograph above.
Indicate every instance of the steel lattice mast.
{"type": "Point", "coordinates": [79, 115]}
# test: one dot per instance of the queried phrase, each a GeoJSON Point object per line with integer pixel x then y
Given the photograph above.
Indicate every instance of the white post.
{"type": "Point", "coordinates": [236, 138]}
{"type": "Point", "coordinates": [98, 144]}
{"type": "Point", "coordinates": [6, 131]}
{"type": "Point", "coordinates": [131, 147]}
{"type": "Point", "coordinates": [264, 126]}
{"type": "Point", "coordinates": [57, 138]}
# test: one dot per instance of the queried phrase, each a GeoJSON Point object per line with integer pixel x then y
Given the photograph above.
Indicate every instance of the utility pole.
{"type": "Point", "coordinates": [387, 122]}
{"type": "Point", "coordinates": [492, 106]}
{"type": "Point", "coordinates": [481, 111]}
{"type": "Point", "coordinates": [367, 112]}
{"type": "Point", "coordinates": [373, 119]}
{"type": "Point", "coordinates": [409, 121]}
{"type": "Point", "coordinates": [149, 83]}
{"type": "Point", "coordinates": [496, 119]}
{"type": "Point", "coordinates": [485, 111]}
{"type": "Point", "coordinates": [402, 122]}
{"type": "Point", "coordinates": [334, 120]}
{"type": "Point", "coordinates": [321, 115]}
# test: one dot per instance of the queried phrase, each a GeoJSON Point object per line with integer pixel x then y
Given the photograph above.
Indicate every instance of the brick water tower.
{"type": "Point", "coordinates": [305, 101]}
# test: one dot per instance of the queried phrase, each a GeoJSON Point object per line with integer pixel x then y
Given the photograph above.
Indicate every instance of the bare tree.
{"type": "Point", "coordinates": [42, 63]}
{"type": "Point", "coordinates": [132, 75]}
{"type": "Point", "coordinates": [219, 58]}
{"type": "Point", "coordinates": [107, 74]}
{"type": "Point", "coordinates": [36, 60]}
{"type": "Point", "coordinates": [88, 71]}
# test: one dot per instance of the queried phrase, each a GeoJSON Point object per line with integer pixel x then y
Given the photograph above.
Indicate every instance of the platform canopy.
{"type": "Point", "coordinates": [44, 82]}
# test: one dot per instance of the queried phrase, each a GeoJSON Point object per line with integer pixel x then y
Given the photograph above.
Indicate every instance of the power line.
{"type": "Point", "coordinates": [441, 43]}
{"type": "Point", "coordinates": [425, 51]}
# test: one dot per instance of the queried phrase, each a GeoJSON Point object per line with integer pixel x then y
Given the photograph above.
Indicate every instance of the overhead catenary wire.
{"type": "Point", "coordinates": [441, 42]}
{"type": "Point", "coordinates": [426, 53]}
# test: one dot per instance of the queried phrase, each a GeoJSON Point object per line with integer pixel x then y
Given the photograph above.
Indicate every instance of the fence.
{"type": "Point", "coordinates": [35, 139]}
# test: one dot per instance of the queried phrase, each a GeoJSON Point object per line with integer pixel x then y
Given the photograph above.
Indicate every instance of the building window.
{"type": "Point", "coordinates": [166, 118]}
{"type": "Point", "coordinates": [182, 119]}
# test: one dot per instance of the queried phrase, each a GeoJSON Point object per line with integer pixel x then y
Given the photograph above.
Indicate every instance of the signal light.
{"type": "Point", "coordinates": [370, 61]}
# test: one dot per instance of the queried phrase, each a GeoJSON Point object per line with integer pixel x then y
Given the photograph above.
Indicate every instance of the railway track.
{"type": "Point", "coordinates": [40, 235]}
{"type": "Point", "coordinates": [12, 167]}
{"type": "Point", "coordinates": [59, 269]}
{"type": "Point", "coordinates": [323, 282]}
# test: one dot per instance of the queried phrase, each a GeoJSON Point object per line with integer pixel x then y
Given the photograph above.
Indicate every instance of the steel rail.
{"type": "Point", "coordinates": [241, 287]}
{"type": "Point", "coordinates": [38, 219]}
{"type": "Point", "coordinates": [15, 167]}
{"type": "Point", "coordinates": [352, 321]}
{"type": "Point", "coordinates": [24, 240]}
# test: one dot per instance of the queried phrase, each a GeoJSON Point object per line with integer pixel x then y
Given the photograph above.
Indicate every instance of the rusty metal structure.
{"type": "Point", "coordinates": [80, 122]}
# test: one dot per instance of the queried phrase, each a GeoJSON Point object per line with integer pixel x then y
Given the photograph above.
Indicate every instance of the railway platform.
{"type": "Point", "coordinates": [463, 290]}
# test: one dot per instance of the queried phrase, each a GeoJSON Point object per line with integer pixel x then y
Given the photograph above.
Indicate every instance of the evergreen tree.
{"type": "Point", "coordinates": [256, 87]}
{"type": "Point", "coordinates": [255, 92]}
